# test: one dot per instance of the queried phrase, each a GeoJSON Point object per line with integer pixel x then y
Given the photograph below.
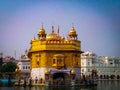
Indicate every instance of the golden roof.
{"type": "Point", "coordinates": [73, 71]}
{"type": "Point", "coordinates": [72, 32]}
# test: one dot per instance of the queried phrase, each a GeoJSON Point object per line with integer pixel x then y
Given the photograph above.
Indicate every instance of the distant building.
{"type": "Point", "coordinates": [109, 66]}
{"type": "Point", "coordinates": [105, 66]}
{"type": "Point", "coordinates": [8, 59]}
{"type": "Point", "coordinates": [24, 66]}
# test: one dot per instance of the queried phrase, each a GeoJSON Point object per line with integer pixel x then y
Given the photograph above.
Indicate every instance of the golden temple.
{"type": "Point", "coordinates": [53, 57]}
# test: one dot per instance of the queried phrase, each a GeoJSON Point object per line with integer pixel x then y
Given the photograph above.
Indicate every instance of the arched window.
{"type": "Point", "coordinates": [38, 59]}
{"type": "Point", "coordinates": [23, 67]}
{"type": "Point", "coordinates": [53, 61]}
{"type": "Point", "coordinates": [58, 61]}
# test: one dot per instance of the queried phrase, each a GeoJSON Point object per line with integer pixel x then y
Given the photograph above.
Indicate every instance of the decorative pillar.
{"type": "Point", "coordinates": [72, 77]}
{"type": "Point", "coordinates": [17, 72]}
{"type": "Point", "coordinates": [94, 73]}
{"type": "Point", "coordinates": [47, 77]}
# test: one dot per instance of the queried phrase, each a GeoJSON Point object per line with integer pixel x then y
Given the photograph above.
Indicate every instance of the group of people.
{"type": "Point", "coordinates": [30, 81]}
{"type": "Point", "coordinates": [88, 79]}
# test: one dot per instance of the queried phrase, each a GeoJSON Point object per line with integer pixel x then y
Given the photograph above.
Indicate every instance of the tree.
{"type": "Point", "coordinates": [8, 67]}
{"type": "Point", "coordinates": [1, 61]}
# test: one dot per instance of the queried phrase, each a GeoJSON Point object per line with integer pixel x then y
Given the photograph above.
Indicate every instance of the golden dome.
{"type": "Point", "coordinates": [52, 36]}
{"type": "Point", "coordinates": [72, 32]}
{"type": "Point", "coordinates": [41, 31]}
{"type": "Point", "coordinates": [73, 71]}
{"type": "Point", "coordinates": [47, 72]}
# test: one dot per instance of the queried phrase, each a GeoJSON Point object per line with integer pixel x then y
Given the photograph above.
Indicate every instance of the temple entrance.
{"type": "Point", "coordinates": [61, 78]}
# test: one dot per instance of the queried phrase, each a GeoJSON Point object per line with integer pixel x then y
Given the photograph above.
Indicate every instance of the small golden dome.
{"type": "Point", "coordinates": [94, 70]}
{"type": "Point", "coordinates": [17, 70]}
{"type": "Point", "coordinates": [62, 38]}
{"type": "Point", "coordinates": [41, 31]}
{"type": "Point", "coordinates": [72, 32]}
{"type": "Point", "coordinates": [47, 72]}
{"type": "Point", "coordinates": [72, 71]}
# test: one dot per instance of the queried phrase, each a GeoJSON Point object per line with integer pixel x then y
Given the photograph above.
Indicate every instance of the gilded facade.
{"type": "Point", "coordinates": [54, 54]}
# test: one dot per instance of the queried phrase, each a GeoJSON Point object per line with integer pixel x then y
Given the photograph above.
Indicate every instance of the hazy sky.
{"type": "Point", "coordinates": [97, 23]}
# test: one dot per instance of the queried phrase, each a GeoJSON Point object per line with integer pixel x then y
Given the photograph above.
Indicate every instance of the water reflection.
{"type": "Point", "coordinates": [108, 85]}
{"type": "Point", "coordinates": [55, 88]}
{"type": "Point", "coordinates": [102, 85]}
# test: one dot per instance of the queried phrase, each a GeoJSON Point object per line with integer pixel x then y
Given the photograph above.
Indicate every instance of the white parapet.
{"type": "Point", "coordinates": [38, 73]}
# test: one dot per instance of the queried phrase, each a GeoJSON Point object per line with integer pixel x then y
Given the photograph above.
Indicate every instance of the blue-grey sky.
{"type": "Point", "coordinates": [97, 23]}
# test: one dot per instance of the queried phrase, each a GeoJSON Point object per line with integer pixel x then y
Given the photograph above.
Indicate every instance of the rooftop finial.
{"type": "Point", "coordinates": [72, 25]}
{"type": "Point", "coordinates": [42, 25]}
{"type": "Point", "coordinates": [34, 36]}
{"type": "Point", "coordinates": [52, 29]}
{"type": "Point", "coordinates": [58, 30]}
{"type": "Point", "coordinates": [26, 52]}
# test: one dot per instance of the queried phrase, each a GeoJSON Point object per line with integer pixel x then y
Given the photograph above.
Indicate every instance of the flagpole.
{"type": "Point", "coordinates": [15, 54]}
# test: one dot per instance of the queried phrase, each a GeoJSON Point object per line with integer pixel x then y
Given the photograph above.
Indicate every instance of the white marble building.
{"type": "Point", "coordinates": [104, 65]}
{"type": "Point", "coordinates": [87, 65]}
{"type": "Point", "coordinates": [24, 66]}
